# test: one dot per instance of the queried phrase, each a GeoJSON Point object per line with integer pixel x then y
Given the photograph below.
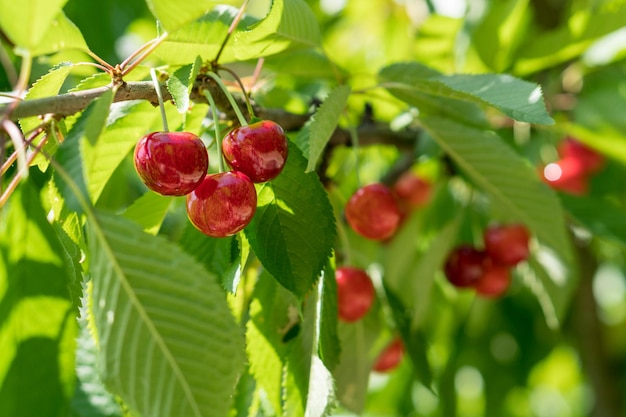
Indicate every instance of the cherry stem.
{"type": "Point", "coordinates": [140, 54]}
{"type": "Point", "coordinates": [229, 96]}
{"type": "Point", "coordinates": [108, 67]}
{"type": "Point", "coordinates": [216, 125]}
{"type": "Point", "coordinates": [5, 166]}
{"type": "Point", "coordinates": [354, 138]}
{"type": "Point", "coordinates": [231, 29]}
{"type": "Point", "coordinates": [157, 87]}
{"type": "Point", "coordinates": [19, 144]}
{"type": "Point", "coordinates": [243, 90]}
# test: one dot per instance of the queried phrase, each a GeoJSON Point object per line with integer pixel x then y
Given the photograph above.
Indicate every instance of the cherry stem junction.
{"type": "Point", "coordinates": [229, 96]}
{"type": "Point", "coordinates": [157, 87]}
{"type": "Point", "coordinates": [216, 125]}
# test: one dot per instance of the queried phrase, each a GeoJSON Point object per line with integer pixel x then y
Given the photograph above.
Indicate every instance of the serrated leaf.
{"type": "Point", "coordinates": [289, 24]}
{"type": "Point", "coordinates": [179, 84]}
{"type": "Point", "coordinates": [329, 348]}
{"type": "Point", "coordinates": [512, 184]}
{"type": "Point", "coordinates": [516, 98]}
{"type": "Point", "coordinates": [38, 322]}
{"type": "Point", "coordinates": [203, 37]}
{"type": "Point", "coordinates": [173, 15]}
{"type": "Point", "coordinates": [324, 122]}
{"type": "Point", "coordinates": [61, 35]}
{"type": "Point", "coordinates": [274, 313]}
{"type": "Point", "coordinates": [168, 342]}
{"type": "Point", "coordinates": [39, 14]}
{"type": "Point", "coordinates": [293, 230]}
{"type": "Point", "coordinates": [148, 211]}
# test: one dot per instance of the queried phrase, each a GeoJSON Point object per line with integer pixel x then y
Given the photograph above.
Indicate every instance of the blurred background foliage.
{"type": "Point", "coordinates": [493, 358]}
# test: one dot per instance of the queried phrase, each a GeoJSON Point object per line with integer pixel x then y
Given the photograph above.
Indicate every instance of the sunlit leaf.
{"type": "Point", "coordinates": [38, 13]}
{"type": "Point", "coordinates": [518, 99]}
{"type": "Point", "coordinates": [148, 211]}
{"type": "Point", "coordinates": [293, 230]}
{"type": "Point", "coordinates": [61, 35]}
{"type": "Point", "coordinates": [179, 84]}
{"type": "Point", "coordinates": [160, 317]}
{"type": "Point", "coordinates": [173, 15]}
{"type": "Point", "coordinates": [37, 336]}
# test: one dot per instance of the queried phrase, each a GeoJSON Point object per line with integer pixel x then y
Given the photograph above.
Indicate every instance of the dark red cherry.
{"type": "Point", "coordinates": [390, 357]}
{"type": "Point", "coordinates": [373, 212]}
{"type": "Point", "coordinates": [465, 266]}
{"type": "Point", "coordinates": [355, 293]}
{"type": "Point", "coordinates": [507, 244]}
{"type": "Point", "coordinates": [223, 204]}
{"type": "Point", "coordinates": [591, 160]}
{"type": "Point", "coordinates": [259, 150]}
{"type": "Point", "coordinates": [495, 281]}
{"type": "Point", "coordinates": [171, 163]}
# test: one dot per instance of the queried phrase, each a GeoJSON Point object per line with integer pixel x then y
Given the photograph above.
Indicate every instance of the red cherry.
{"type": "Point", "coordinates": [223, 204]}
{"type": "Point", "coordinates": [567, 175]}
{"type": "Point", "coordinates": [507, 244]}
{"type": "Point", "coordinates": [465, 266]}
{"type": "Point", "coordinates": [495, 281]}
{"type": "Point", "coordinates": [390, 357]}
{"type": "Point", "coordinates": [258, 150]}
{"type": "Point", "coordinates": [412, 189]}
{"type": "Point", "coordinates": [171, 163]}
{"type": "Point", "coordinates": [355, 293]}
{"type": "Point", "coordinates": [373, 212]}
{"type": "Point", "coordinates": [591, 160]}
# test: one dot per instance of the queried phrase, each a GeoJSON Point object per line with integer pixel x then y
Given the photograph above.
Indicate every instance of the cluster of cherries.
{"type": "Point", "coordinates": [220, 204]}
{"type": "Point", "coordinates": [488, 270]}
{"type": "Point", "coordinates": [572, 171]}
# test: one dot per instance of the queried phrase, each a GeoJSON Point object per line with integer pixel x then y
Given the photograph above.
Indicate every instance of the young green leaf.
{"type": "Point", "coordinates": [293, 230]}
{"type": "Point", "coordinates": [323, 124]}
{"type": "Point", "coordinates": [173, 15]}
{"type": "Point", "coordinates": [61, 35]}
{"type": "Point", "coordinates": [511, 183]}
{"type": "Point", "coordinates": [38, 13]}
{"type": "Point", "coordinates": [37, 336]}
{"type": "Point", "coordinates": [423, 87]}
{"type": "Point", "coordinates": [289, 24]}
{"type": "Point", "coordinates": [168, 341]}
{"type": "Point", "coordinates": [148, 211]}
{"type": "Point", "coordinates": [179, 84]}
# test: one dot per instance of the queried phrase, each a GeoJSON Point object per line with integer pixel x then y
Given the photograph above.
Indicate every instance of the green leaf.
{"type": "Point", "coordinates": [173, 15]}
{"type": "Point", "coordinates": [293, 230]}
{"type": "Point", "coordinates": [148, 211]}
{"type": "Point", "coordinates": [289, 24]}
{"type": "Point", "coordinates": [48, 85]}
{"type": "Point", "coordinates": [25, 22]}
{"type": "Point", "coordinates": [602, 217]}
{"type": "Point", "coordinates": [329, 345]}
{"type": "Point", "coordinates": [37, 336]}
{"type": "Point", "coordinates": [203, 37]}
{"type": "Point", "coordinates": [324, 122]}
{"type": "Point", "coordinates": [167, 338]}
{"type": "Point", "coordinates": [179, 84]}
{"type": "Point", "coordinates": [61, 35]}
{"type": "Point", "coordinates": [274, 313]}
{"type": "Point", "coordinates": [512, 184]}
{"type": "Point", "coordinates": [516, 98]}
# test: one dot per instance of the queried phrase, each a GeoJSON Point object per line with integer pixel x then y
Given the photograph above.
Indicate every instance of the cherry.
{"type": "Point", "coordinates": [568, 175]}
{"type": "Point", "coordinates": [223, 204]}
{"type": "Point", "coordinates": [373, 212]}
{"type": "Point", "coordinates": [495, 280]}
{"type": "Point", "coordinates": [259, 150]}
{"type": "Point", "coordinates": [171, 163]}
{"type": "Point", "coordinates": [355, 293]}
{"type": "Point", "coordinates": [390, 357]}
{"type": "Point", "coordinates": [507, 244]}
{"type": "Point", "coordinates": [465, 266]}
{"type": "Point", "coordinates": [591, 160]}
{"type": "Point", "coordinates": [412, 190]}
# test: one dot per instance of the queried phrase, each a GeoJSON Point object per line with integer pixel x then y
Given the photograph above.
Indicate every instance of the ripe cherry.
{"type": "Point", "coordinates": [507, 244]}
{"type": "Point", "coordinates": [591, 160]}
{"type": "Point", "coordinates": [223, 204]}
{"type": "Point", "coordinates": [171, 163]}
{"type": "Point", "coordinates": [495, 281]}
{"type": "Point", "coordinates": [259, 150]}
{"type": "Point", "coordinates": [413, 190]}
{"type": "Point", "coordinates": [568, 175]}
{"type": "Point", "coordinates": [465, 266]}
{"type": "Point", "coordinates": [373, 212]}
{"type": "Point", "coordinates": [390, 357]}
{"type": "Point", "coordinates": [355, 293]}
